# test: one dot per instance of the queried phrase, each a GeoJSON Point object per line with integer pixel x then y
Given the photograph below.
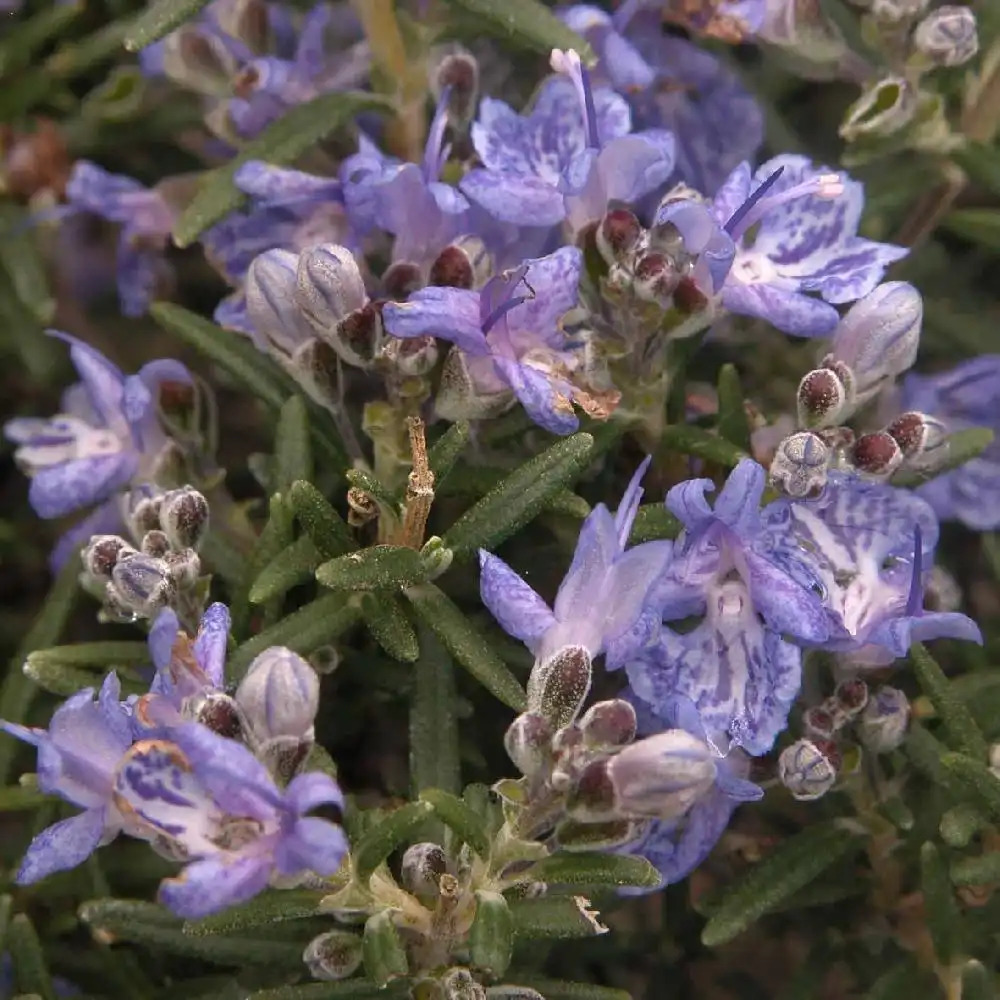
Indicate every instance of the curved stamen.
{"type": "Point", "coordinates": [511, 300]}
{"type": "Point", "coordinates": [568, 63]}
{"type": "Point", "coordinates": [915, 600]}
{"type": "Point", "coordinates": [826, 186]}
{"type": "Point", "coordinates": [435, 150]}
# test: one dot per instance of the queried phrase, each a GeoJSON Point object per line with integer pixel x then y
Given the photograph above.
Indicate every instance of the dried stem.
{"type": "Point", "coordinates": [419, 487]}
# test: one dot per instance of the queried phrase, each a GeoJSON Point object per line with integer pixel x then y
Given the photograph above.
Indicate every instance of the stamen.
{"type": "Point", "coordinates": [744, 210]}
{"type": "Point", "coordinates": [826, 186]}
{"type": "Point", "coordinates": [568, 63]}
{"type": "Point", "coordinates": [915, 600]}
{"type": "Point", "coordinates": [511, 301]}
{"type": "Point", "coordinates": [435, 150]}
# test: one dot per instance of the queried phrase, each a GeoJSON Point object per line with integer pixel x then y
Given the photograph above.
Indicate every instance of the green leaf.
{"type": "Point", "coordinates": [444, 453]}
{"type": "Point", "coordinates": [63, 680]}
{"type": "Point", "coordinates": [690, 440]}
{"type": "Point", "coordinates": [16, 798]}
{"type": "Point", "coordinates": [555, 989]}
{"type": "Point", "coordinates": [274, 539]}
{"type": "Point", "coordinates": [6, 908]}
{"type": "Point", "coordinates": [383, 950]}
{"type": "Point", "coordinates": [593, 869]}
{"type": "Point", "coordinates": [292, 450]}
{"type": "Point", "coordinates": [96, 654]}
{"type": "Point", "coordinates": [348, 989]}
{"type": "Point", "coordinates": [304, 631]}
{"type": "Point", "coordinates": [981, 870]}
{"type": "Point", "coordinates": [733, 424]}
{"type": "Point", "coordinates": [940, 908]}
{"type": "Point", "coordinates": [978, 983]}
{"type": "Point", "coordinates": [381, 567]}
{"type": "Point", "coordinates": [393, 831]}
{"type": "Point", "coordinates": [963, 733]}
{"type": "Point", "coordinates": [491, 936]}
{"type": "Point", "coordinates": [281, 143]}
{"type": "Point", "coordinates": [654, 521]}
{"type": "Point", "coordinates": [977, 225]}
{"type": "Point", "coordinates": [786, 870]}
{"type": "Point", "coordinates": [526, 23]}
{"type": "Point", "coordinates": [975, 781]}
{"type": "Point", "coordinates": [434, 759]}
{"type": "Point", "coordinates": [293, 565]}
{"type": "Point", "coordinates": [31, 974]}
{"type": "Point", "coordinates": [320, 521]}
{"type": "Point", "coordinates": [159, 19]}
{"type": "Point", "coordinates": [962, 447]}
{"type": "Point", "coordinates": [960, 824]}
{"type": "Point", "coordinates": [17, 691]}
{"type": "Point", "coordinates": [273, 906]}
{"type": "Point", "coordinates": [365, 481]}
{"type": "Point", "coordinates": [903, 982]}
{"type": "Point", "coordinates": [520, 496]}
{"type": "Point", "coordinates": [467, 825]}
{"type": "Point", "coordinates": [555, 917]}
{"type": "Point", "coordinates": [389, 626]}
{"type": "Point", "coordinates": [466, 643]}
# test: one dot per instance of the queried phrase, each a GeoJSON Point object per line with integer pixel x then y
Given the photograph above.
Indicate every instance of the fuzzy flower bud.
{"type": "Point", "coordinates": [270, 298]}
{"type": "Point", "coordinates": [806, 771]}
{"type": "Point", "coordinates": [559, 685]}
{"type": "Point", "coordinates": [358, 339]}
{"type": "Point", "coordinates": [452, 268]}
{"type": "Point", "coordinates": [883, 723]}
{"type": "Point", "coordinates": [822, 397]}
{"type": "Point", "coordinates": [199, 61]}
{"type": "Point", "coordinates": [594, 799]}
{"type": "Point", "coordinates": [661, 776]}
{"type": "Point", "coordinates": [401, 279]}
{"type": "Point", "coordinates": [609, 723]}
{"type": "Point", "coordinates": [948, 36]}
{"type": "Point", "coordinates": [893, 11]}
{"type": "Point", "coordinates": [422, 868]}
{"type": "Point", "coordinates": [618, 234]}
{"type": "Point", "coordinates": [143, 515]}
{"type": "Point", "coordinates": [279, 695]}
{"type": "Point", "coordinates": [799, 466]}
{"type": "Point", "coordinates": [851, 696]}
{"type": "Point", "coordinates": [328, 286]}
{"type": "Point", "coordinates": [155, 543]}
{"type": "Point", "coordinates": [142, 585]}
{"type": "Point", "coordinates": [528, 742]}
{"type": "Point", "coordinates": [184, 517]}
{"type": "Point", "coordinates": [102, 554]}
{"type": "Point", "coordinates": [333, 955]}
{"type": "Point", "coordinates": [822, 721]}
{"type": "Point", "coordinates": [656, 278]}
{"type": "Point", "coordinates": [922, 439]}
{"type": "Point", "coordinates": [876, 454]}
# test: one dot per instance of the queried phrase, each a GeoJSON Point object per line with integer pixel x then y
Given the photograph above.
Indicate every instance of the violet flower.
{"type": "Point", "coordinates": [601, 601]}
{"type": "Point", "coordinates": [208, 801]}
{"type": "Point", "coordinates": [107, 437]}
{"type": "Point", "coordinates": [77, 757]}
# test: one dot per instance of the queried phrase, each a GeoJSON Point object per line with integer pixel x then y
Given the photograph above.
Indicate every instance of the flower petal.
{"type": "Point", "coordinates": [521, 199]}
{"type": "Point", "coordinates": [62, 846]}
{"type": "Point", "coordinates": [449, 313]}
{"type": "Point", "coordinates": [210, 645]}
{"type": "Point", "coordinates": [64, 488]}
{"type": "Point", "coordinates": [519, 611]}
{"type": "Point", "coordinates": [314, 845]}
{"type": "Point", "coordinates": [211, 885]}
{"type": "Point", "coordinates": [306, 792]}
{"type": "Point", "coordinates": [791, 312]}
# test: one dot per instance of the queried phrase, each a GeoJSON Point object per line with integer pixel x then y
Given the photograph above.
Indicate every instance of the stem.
{"type": "Point", "coordinates": [419, 489]}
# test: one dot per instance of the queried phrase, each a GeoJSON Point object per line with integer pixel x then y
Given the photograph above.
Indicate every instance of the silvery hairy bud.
{"type": "Point", "coordinates": [609, 723]}
{"type": "Point", "coordinates": [199, 61]}
{"type": "Point", "coordinates": [655, 278]}
{"type": "Point", "coordinates": [799, 466]}
{"type": "Point", "coordinates": [358, 339]}
{"type": "Point", "coordinates": [883, 723]}
{"type": "Point", "coordinates": [618, 234]}
{"type": "Point", "coordinates": [806, 771]}
{"type": "Point", "coordinates": [459, 72]}
{"type": "Point", "coordinates": [882, 110]}
{"type": "Point", "coordinates": [948, 36]}
{"type": "Point", "coordinates": [333, 955]}
{"type": "Point", "coordinates": [154, 543]}
{"type": "Point", "coordinates": [878, 338]}
{"type": "Point", "coordinates": [594, 799]}
{"type": "Point", "coordinates": [219, 712]}
{"type": "Point", "coordinates": [328, 287]}
{"type": "Point", "coordinates": [922, 439]}
{"type": "Point", "coordinates": [893, 11]}
{"type": "Point", "coordinates": [248, 21]}
{"type": "Point", "coordinates": [528, 742]}
{"type": "Point", "coordinates": [271, 305]}
{"type": "Point", "coordinates": [422, 868]}
{"type": "Point", "coordinates": [184, 517]}
{"type": "Point", "coordinates": [401, 279]}
{"type": "Point", "coordinates": [822, 721]}
{"type": "Point", "coordinates": [411, 356]}
{"type": "Point", "coordinates": [102, 554]}
{"type": "Point", "coordinates": [876, 454]}
{"type": "Point", "coordinates": [314, 365]}
{"type": "Point", "coordinates": [142, 585]}
{"type": "Point", "coordinates": [851, 696]}
{"type": "Point", "coordinates": [559, 686]}
{"type": "Point", "coordinates": [662, 776]}
{"type": "Point", "coordinates": [452, 268]}
{"type": "Point", "coordinates": [143, 515]}
{"type": "Point", "coordinates": [822, 398]}
{"type": "Point", "coordinates": [459, 984]}
{"type": "Point", "coordinates": [279, 695]}
{"type": "Point", "coordinates": [184, 567]}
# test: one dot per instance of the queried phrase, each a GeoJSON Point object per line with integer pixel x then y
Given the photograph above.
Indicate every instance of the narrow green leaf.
{"type": "Point", "coordinates": [63, 680]}
{"type": "Point", "coordinates": [383, 949]}
{"type": "Point", "coordinates": [444, 453]}
{"type": "Point", "coordinates": [304, 631]}
{"type": "Point", "coordinates": [786, 870]}
{"type": "Point", "coordinates": [386, 620]}
{"type": "Point", "coordinates": [593, 869]}
{"type": "Point", "coordinates": [555, 917]}
{"type": "Point", "coordinates": [555, 989]}
{"type": "Point", "coordinates": [348, 989]}
{"type": "Point", "coordinates": [491, 936]}
{"type": "Point", "coordinates": [16, 798]}
{"type": "Point", "coordinates": [690, 440]}
{"type": "Point", "coordinates": [159, 19]}
{"type": "Point", "coordinates": [977, 225]}
{"type": "Point", "coordinates": [654, 521]}
{"type": "Point", "coordinates": [96, 654]}
{"type": "Point", "coordinates": [466, 643]}
{"type": "Point", "coordinates": [366, 481]}
{"type": "Point", "coordinates": [975, 781]}
{"type": "Point", "coordinates": [962, 446]}
{"type": "Point", "coordinates": [963, 733]}
{"type": "Point", "coordinates": [925, 752]}
{"type": "Point", "coordinates": [291, 566]}
{"type": "Point", "coordinates": [981, 870]}
{"type": "Point", "coordinates": [25, 266]}
{"type": "Point", "coordinates": [978, 983]}
{"type": "Point", "coordinates": [733, 424]}
{"type": "Point", "coordinates": [282, 142]}
{"type": "Point", "coordinates": [272, 907]}
{"type": "Point", "coordinates": [520, 496]}
{"type": "Point", "coordinates": [394, 830]}
{"type": "Point", "coordinates": [292, 450]}
{"type": "Point", "coordinates": [31, 974]}
{"type": "Point", "coordinates": [940, 907]}
{"type": "Point", "coordinates": [467, 825]}
{"type": "Point", "coordinates": [434, 759]}
{"type": "Point", "coordinates": [320, 521]}
{"type": "Point", "coordinates": [381, 567]}
{"type": "Point", "coordinates": [526, 23]}
{"type": "Point", "coordinates": [17, 691]}
{"type": "Point", "coordinates": [274, 539]}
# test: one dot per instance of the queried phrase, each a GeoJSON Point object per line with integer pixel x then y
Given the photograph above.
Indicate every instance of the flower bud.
{"type": "Point", "coordinates": [284, 755]}
{"type": "Point", "coordinates": [822, 721]}
{"type": "Point", "coordinates": [662, 776]}
{"type": "Point", "coordinates": [270, 295]}
{"type": "Point", "coordinates": [656, 278]}
{"type": "Point", "coordinates": [358, 339]}
{"type": "Point", "coordinates": [143, 514]}
{"type": "Point", "coordinates": [328, 287]}
{"type": "Point", "coordinates": [878, 337]}
{"type": "Point", "coordinates": [618, 235]}
{"type": "Point", "coordinates": [876, 454]}
{"type": "Point", "coordinates": [422, 868]}
{"type": "Point", "coordinates": [799, 466]}
{"type": "Point", "coordinates": [559, 686]}
{"type": "Point", "coordinates": [142, 584]}
{"type": "Point", "coordinates": [333, 955]}
{"type": "Point", "coordinates": [184, 517]}
{"type": "Point", "coordinates": [184, 567]}
{"type": "Point", "coordinates": [528, 742]}
{"type": "Point", "coordinates": [459, 984]}
{"type": "Point", "coordinates": [458, 71]}
{"type": "Point", "coordinates": [219, 712]}
{"type": "Point", "coordinates": [883, 109]}
{"type": "Point", "coordinates": [452, 268]}
{"type": "Point", "coordinates": [821, 398]}
{"type": "Point", "coordinates": [806, 771]}
{"type": "Point", "coordinates": [593, 800]}
{"type": "Point", "coordinates": [410, 356]}
{"type": "Point", "coordinates": [883, 723]}
{"type": "Point", "coordinates": [199, 61]}
{"type": "Point", "coordinates": [279, 695]}
{"type": "Point", "coordinates": [246, 20]}
{"type": "Point", "coordinates": [851, 695]}
{"type": "Point", "coordinates": [401, 279]}
{"type": "Point", "coordinates": [154, 543]}
{"type": "Point", "coordinates": [609, 723]}
{"type": "Point", "coordinates": [948, 36]}
{"type": "Point", "coordinates": [102, 554]}
{"type": "Point", "coordinates": [922, 439]}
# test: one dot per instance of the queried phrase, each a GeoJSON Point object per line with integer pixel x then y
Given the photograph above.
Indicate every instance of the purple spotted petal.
{"type": "Point", "coordinates": [62, 846]}
{"type": "Point", "coordinates": [596, 550]}
{"type": "Point", "coordinates": [687, 502]}
{"type": "Point", "coordinates": [520, 199]}
{"type": "Point", "coordinates": [211, 885]}
{"type": "Point", "coordinates": [64, 488]}
{"type": "Point", "coordinates": [787, 607]}
{"type": "Point", "coordinates": [519, 611]}
{"type": "Point", "coordinates": [732, 194]}
{"type": "Point", "coordinates": [898, 635]}
{"type": "Point", "coordinates": [280, 186]}
{"type": "Point", "coordinates": [551, 285]}
{"type": "Point", "coordinates": [789, 311]}
{"type": "Point", "coordinates": [161, 639]}
{"type": "Point", "coordinates": [545, 399]}
{"type": "Point", "coordinates": [139, 273]}
{"type": "Point", "coordinates": [738, 503]}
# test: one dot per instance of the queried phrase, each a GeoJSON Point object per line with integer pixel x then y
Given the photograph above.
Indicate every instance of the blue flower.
{"type": "Point", "coordinates": [964, 397]}
{"type": "Point", "coordinates": [736, 666]}
{"type": "Point", "coordinates": [566, 159]}
{"type": "Point", "coordinates": [107, 437]}
{"type": "Point", "coordinates": [77, 757]}
{"type": "Point", "coordinates": [601, 601]}
{"type": "Point", "coordinates": [867, 546]}
{"type": "Point", "coordinates": [208, 801]}
{"type": "Point", "coordinates": [508, 342]}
